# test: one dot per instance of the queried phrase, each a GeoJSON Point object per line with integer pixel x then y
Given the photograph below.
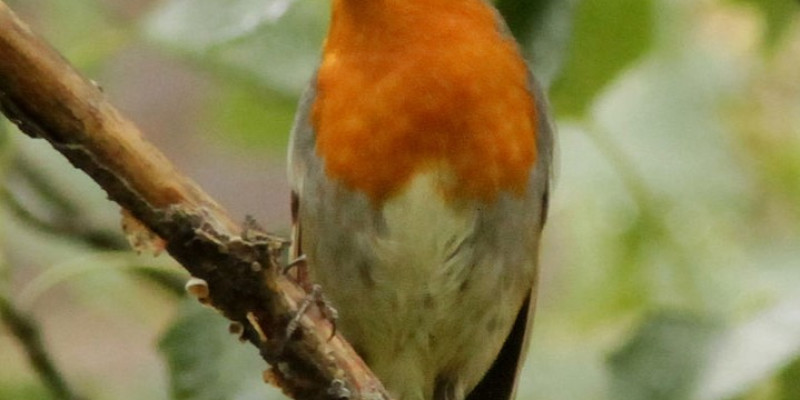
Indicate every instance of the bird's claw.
{"type": "Point", "coordinates": [314, 297]}
{"type": "Point", "coordinates": [296, 263]}
{"type": "Point", "coordinates": [300, 273]}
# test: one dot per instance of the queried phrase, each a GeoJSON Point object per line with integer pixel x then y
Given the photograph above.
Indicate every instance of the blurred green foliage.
{"type": "Point", "coordinates": [779, 15]}
{"type": "Point", "coordinates": [608, 36]}
{"type": "Point", "coordinates": [193, 341]}
{"type": "Point", "coordinates": [672, 256]}
{"type": "Point", "coordinates": [664, 359]}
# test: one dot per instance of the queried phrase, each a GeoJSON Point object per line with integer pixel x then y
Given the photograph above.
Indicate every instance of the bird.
{"type": "Point", "coordinates": [420, 166]}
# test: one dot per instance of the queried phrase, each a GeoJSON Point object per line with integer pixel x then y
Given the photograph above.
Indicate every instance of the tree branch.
{"type": "Point", "coordinates": [48, 99]}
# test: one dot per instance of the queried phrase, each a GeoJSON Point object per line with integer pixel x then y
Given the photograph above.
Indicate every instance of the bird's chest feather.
{"type": "Point", "coordinates": [423, 247]}
{"type": "Point", "coordinates": [391, 103]}
{"type": "Point", "coordinates": [410, 274]}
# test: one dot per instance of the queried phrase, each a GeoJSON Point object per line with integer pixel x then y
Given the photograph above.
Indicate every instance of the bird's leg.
{"type": "Point", "coordinates": [314, 297]}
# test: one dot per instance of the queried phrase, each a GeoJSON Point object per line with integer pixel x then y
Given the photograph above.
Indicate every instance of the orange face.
{"type": "Point", "coordinates": [405, 87]}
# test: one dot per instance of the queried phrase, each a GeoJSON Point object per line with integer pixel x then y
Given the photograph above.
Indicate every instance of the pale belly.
{"type": "Point", "coordinates": [420, 293]}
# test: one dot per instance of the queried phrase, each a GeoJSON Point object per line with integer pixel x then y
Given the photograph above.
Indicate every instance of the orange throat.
{"type": "Point", "coordinates": [413, 85]}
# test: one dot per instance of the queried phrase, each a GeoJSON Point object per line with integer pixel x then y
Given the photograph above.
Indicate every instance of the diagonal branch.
{"type": "Point", "coordinates": [48, 99]}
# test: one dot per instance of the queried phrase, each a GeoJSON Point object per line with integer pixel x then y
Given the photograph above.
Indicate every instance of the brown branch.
{"type": "Point", "coordinates": [48, 99]}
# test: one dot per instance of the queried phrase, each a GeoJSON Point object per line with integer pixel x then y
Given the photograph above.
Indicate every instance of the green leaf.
{"type": "Point", "coordinates": [790, 389]}
{"type": "Point", "coordinates": [663, 359]}
{"type": "Point", "coordinates": [4, 135]}
{"type": "Point", "coordinates": [543, 29]}
{"type": "Point", "coordinates": [609, 35]}
{"type": "Point", "coordinates": [187, 23]}
{"type": "Point", "coordinates": [753, 352]}
{"type": "Point", "coordinates": [7, 156]}
{"type": "Point", "coordinates": [206, 363]}
{"type": "Point", "coordinates": [24, 390]}
{"type": "Point", "coordinates": [274, 44]}
{"type": "Point", "coordinates": [522, 16]}
{"type": "Point", "coordinates": [778, 16]}
{"type": "Point", "coordinates": [251, 120]}
{"type": "Point", "coordinates": [78, 29]}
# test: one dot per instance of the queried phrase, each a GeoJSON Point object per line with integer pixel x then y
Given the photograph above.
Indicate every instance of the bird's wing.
{"type": "Point", "coordinates": [301, 145]}
{"type": "Point", "coordinates": [501, 381]}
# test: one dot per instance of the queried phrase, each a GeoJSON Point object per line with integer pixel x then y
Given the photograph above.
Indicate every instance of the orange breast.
{"type": "Point", "coordinates": [423, 86]}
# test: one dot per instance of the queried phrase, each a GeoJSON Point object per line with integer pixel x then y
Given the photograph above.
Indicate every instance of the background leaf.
{"type": "Point", "coordinates": [662, 360]}
{"type": "Point", "coordinates": [543, 28]}
{"type": "Point", "coordinates": [778, 16]}
{"type": "Point", "coordinates": [752, 352]}
{"type": "Point", "coordinates": [206, 363]}
{"type": "Point", "coordinates": [609, 35]}
{"type": "Point", "coordinates": [273, 44]}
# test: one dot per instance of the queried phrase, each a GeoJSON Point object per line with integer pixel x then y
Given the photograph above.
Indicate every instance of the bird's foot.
{"type": "Point", "coordinates": [314, 297]}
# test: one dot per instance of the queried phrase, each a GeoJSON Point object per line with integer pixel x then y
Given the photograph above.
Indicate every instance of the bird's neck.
{"type": "Point", "coordinates": [387, 25]}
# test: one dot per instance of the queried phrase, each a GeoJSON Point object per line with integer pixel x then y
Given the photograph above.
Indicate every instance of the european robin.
{"type": "Point", "coordinates": [420, 164]}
